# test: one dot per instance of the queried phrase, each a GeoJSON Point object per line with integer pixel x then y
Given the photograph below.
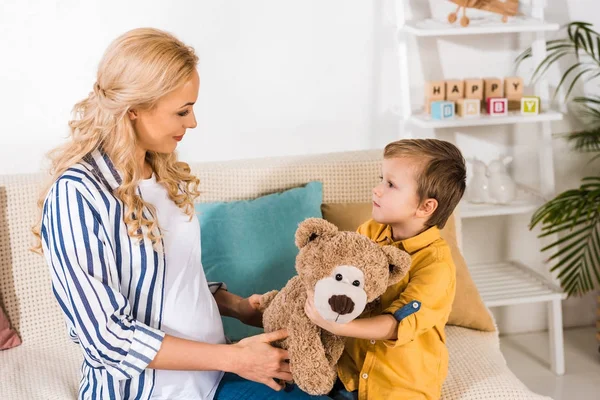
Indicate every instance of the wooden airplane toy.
{"type": "Point", "coordinates": [505, 8]}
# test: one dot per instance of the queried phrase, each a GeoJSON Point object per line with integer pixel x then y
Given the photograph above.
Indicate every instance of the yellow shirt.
{"type": "Point", "coordinates": [415, 365]}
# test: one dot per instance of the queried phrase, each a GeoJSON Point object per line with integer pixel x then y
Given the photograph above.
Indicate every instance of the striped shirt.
{"type": "Point", "coordinates": [109, 287]}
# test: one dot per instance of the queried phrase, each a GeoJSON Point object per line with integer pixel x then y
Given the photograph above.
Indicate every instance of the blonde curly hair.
{"type": "Point", "coordinates": [136, 71]}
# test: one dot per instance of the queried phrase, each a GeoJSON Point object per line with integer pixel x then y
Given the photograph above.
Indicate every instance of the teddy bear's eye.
{"type": "Point", "coordinates": [338, 277]}
{"type": "Point", "coordinates": [356, 283]}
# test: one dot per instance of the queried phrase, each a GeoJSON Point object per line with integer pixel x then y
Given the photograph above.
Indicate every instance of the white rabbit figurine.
{"type": "Point", "coordinates": [502, 188]}
{"type": "Point", "coordinates": [478, 187]}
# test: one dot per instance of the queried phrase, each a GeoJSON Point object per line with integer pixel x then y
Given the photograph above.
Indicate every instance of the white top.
{"type": "Point", "coordinates": [189, 309]}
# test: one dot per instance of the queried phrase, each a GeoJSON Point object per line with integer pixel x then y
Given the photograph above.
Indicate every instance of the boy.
{"type": "Point", "coordinates": [398, 350]}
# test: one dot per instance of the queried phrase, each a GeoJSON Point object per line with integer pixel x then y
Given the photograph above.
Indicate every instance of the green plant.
{"type": "Point", "coordinates": [574, 215]}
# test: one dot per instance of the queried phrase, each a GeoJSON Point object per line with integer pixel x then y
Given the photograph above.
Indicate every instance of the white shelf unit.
{"type": "Point", "coordinates": [470, 210]}
{"type": "Point", "coordinates": [505, 283]}
{"type": "Point", "coordinates": [430, 27]}
{"type": "Point", "coordinates": [510, 283]}
{"type": "Point", "coordinates": [423, 120]}
{"type": "Point", "coordinates": [527, 201]}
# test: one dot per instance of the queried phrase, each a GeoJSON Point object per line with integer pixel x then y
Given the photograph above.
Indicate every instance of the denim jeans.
{"type": "Point", "coordinates": [233, 387]}
{"type": "Point", "coordinates": [339, 392]}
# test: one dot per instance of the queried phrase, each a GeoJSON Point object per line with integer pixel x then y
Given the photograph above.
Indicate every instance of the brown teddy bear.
{"type": "Point", "coordinates": [347, 271]}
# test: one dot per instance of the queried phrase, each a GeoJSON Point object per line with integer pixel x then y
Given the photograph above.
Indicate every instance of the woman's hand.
{"type": "Point", "coordinates": [311, 312]}
{"type": "Point", "coordinates": [258, 361]}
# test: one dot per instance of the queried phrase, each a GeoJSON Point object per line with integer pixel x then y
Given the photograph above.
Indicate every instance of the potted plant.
{"type": "Point", "coordinates": [575, 214]}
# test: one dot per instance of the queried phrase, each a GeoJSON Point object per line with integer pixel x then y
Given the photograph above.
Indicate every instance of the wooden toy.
{"type": "Point", "coordinates": [513, 88]}
{"type": "Point", "coordinates": [434, 91]}
{"type": "Point", "coordinates": [492, 87]}
{"type": "Point", "coordinates": [504, 7]}
{"type": "Point", "coordinates": [442, 109]}
{"type": "Point", "coordinates": [455, 89]}
{"type": "Point", "coordinates": [474, 89]}
{"type": "Point", "coordinates": [497, 107]}
{"type": "Point", "coordinates": [468, 108]}
{"type": "Point", "coordinates": [513, 91]}
{"type": "Point", "coordinates": [530, 105]}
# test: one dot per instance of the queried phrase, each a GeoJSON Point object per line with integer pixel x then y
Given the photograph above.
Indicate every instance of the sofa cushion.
{"type": "Point", "coordinates": [468, 309]}
{"type": "Point", "coordinates": [249, 245]}
{"type": "Point", "coordinates": [33, 372]}
{"type": "Point", "coordinates": [8, 337]}
{"type": "Point", "coordinates": [478, 371]}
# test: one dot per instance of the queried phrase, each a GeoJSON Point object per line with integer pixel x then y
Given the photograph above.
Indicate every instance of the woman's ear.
{"type": "Point", "coordinates": [313, 228]}
{"type": "Point", "coordinates": [132, 113]}
{"type": "Point", "coordinates": [399, 263]}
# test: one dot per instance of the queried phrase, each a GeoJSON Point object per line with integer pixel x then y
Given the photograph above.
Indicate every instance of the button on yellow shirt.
{"type": "Point", "coordinates": [415, 365]}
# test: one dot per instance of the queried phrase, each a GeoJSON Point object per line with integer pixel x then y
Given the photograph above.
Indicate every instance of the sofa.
{"type": "Point", "coordinates": [47, 364]}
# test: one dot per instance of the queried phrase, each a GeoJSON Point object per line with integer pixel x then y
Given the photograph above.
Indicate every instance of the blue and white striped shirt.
{"type": "Point", "coordinates": [109, 286]}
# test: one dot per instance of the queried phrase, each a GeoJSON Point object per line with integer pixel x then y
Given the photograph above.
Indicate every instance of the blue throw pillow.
{"type": "Point", "coordinates": [250, 245]}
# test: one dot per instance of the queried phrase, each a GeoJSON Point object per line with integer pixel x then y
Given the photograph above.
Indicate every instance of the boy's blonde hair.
{"type": "Point", "coordinates": [441, 174]}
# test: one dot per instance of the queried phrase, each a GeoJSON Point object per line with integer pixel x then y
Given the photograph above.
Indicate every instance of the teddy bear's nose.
{"type": "Point", "coordinates": [341, 304]}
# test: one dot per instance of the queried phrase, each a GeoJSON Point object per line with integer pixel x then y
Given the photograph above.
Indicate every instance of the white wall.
{"type": "Point", "coordinates": [277, 78]}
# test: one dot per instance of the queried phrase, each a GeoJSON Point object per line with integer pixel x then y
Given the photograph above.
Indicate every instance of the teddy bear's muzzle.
{"type": "Point", "coordinates": [341, 304]}
{"type": "Point", "coordinates": [340, 297]}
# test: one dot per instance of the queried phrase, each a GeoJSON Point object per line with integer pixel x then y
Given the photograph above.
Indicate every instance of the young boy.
{"type": "Point", "coordinates": [398, 351]}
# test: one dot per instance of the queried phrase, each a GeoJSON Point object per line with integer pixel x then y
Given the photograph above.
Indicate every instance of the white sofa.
{"type": "Point", "coordinates": [46, 366]}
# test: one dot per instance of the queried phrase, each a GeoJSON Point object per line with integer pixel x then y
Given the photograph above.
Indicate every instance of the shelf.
{"type": "Point", "coordinates": [514, 117]}
{"type": "Point", "coordinates": [510, 283]}
{"type": "Point", "coordinates": [430, 27]}
{"type": "Point", "coordinates": [519, 206]}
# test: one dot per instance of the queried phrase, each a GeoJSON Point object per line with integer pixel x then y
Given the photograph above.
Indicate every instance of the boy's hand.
{"type": "Point", "coordinates": [249, 311]}
{"type": "Point", "coordinates": [316, 318]}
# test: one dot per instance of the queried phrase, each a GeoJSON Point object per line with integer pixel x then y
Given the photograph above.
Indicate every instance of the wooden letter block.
{"type": "Point", "coordinates": [497, 107]}
{"type": "Point", "coordinates": [514, 105]}
{"type": "Point", "coordinates": [442, 109]}
{"type": "Point", "coordinates": [513, 88]}
{"type": "Point", "coordinates": [530, 105]}
{"type": "Point", "coordinates": [434, 91]}
{"type": "Point", "coordinates": [492, 87]}
{"type": "Point", "coordinates": [455, 89]}
{"type": "Point", "coordinates": [474, 89]}
{"type": "Point", "coordinates": [468, 108]}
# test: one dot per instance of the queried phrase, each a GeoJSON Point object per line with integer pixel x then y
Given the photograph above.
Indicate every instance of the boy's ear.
{"type": "Point", "coordinates": [427, 208]}
{"type": "Point", "coordinates": [313, 228]}
{"type": "Point", "coordinates": [399, 263]}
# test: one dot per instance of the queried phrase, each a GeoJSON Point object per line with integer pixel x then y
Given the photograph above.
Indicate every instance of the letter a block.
{"type": "Point", "coordinates": [530, 105]}
{"type": "Point", "coordinates": [455, 89]}
{"type": "Point", "coordinates": [468, 108]}
{"type": "Point", "coordinates": [442, 109]}
{"type": "Point", "coordinates": [497, 107]}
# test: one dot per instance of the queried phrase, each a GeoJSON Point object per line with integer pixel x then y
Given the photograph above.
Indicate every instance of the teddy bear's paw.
{"type": "Point", "coordinates": [317, 384]}
{"type": "Point", "coordinates": [266, 299]}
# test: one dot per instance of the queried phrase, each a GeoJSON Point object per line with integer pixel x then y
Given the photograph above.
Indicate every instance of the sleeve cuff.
{"type": "Point", "coordinates": [215, 286]}
{"type": "Point", "coordinates": [145, 344]}
{"type": "Point", "coordinates": [401, 313]}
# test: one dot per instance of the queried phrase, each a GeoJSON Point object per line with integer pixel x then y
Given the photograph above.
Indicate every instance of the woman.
{"type": "Point", "coordinates": [120, 236]}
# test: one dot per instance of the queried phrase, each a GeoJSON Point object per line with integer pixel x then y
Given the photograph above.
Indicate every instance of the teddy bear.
{"type": "Point", "coordinates": [347, 271]}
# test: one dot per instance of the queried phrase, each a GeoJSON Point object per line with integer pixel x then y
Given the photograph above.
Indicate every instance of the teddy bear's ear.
{"type": "Point", "coordinates": [399, 262]}
{"type": "Point", "coordinates": [312, 228]}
